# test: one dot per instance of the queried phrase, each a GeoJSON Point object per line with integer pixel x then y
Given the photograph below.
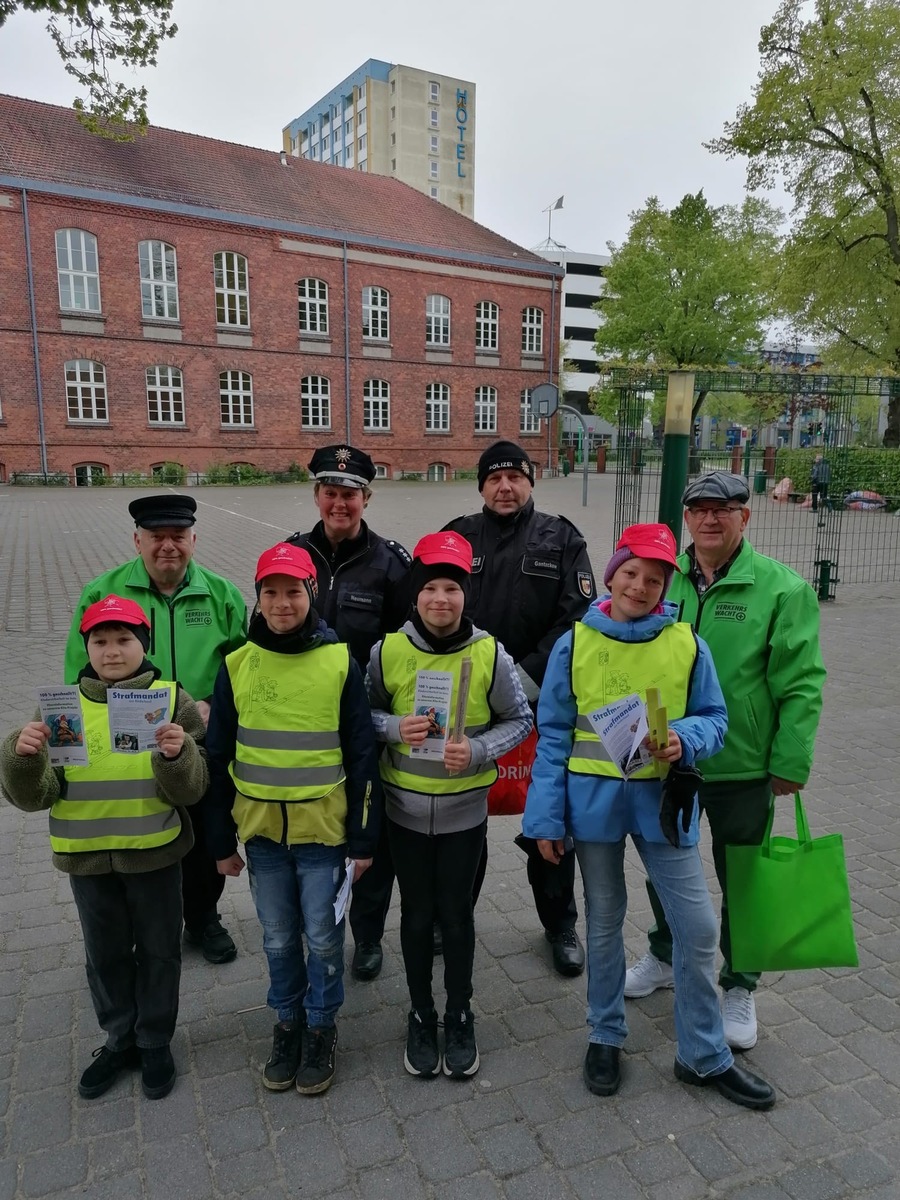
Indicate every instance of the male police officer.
{"type": "Point", "coordinates": [362, 596]}
{"type": "Point", "coordinates": [761, 622]}
{"type": "Point", "coordinates": [196, 618]}
{"type": "Point", "coordinates": [531, 578]}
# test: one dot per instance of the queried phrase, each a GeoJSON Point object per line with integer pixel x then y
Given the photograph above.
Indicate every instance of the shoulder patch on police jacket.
{"type": "Point", "coordinates": [586, 584]}
{"type": "Point", "coordinates": [401, 552]}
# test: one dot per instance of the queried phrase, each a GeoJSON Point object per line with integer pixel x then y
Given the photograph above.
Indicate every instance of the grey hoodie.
{"type": "Point", "coordinates": [511, 723]}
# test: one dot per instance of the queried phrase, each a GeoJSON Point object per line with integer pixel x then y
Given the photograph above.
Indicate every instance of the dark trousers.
{"type": "Point", "coordinates": [819, 489]}
{"type": "Point", "coordinates": [201, 883]}
{"type": "Point", "coordinates": [738, 812]}
{"type": "Point", "coordinates": [436, 876]}
{"type": "Point", "coordinates": [553, 887]}
{"type": "Point", "coordinates": [132, 943]}
{"type": "Point", "coordinates": [371, 897]}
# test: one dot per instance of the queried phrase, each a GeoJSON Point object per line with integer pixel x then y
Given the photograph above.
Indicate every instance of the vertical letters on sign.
{"type": "Point", "coordinates": [462, 116]}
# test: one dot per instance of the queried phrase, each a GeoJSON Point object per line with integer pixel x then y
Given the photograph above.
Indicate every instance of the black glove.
{"type": "Point", "coordinates": [677, 799]}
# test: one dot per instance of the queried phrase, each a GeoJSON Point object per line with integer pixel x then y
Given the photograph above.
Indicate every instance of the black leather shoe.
{"type": "Point", "coordinates": [157, 1072]}
{"type": "Point", "coordinates": [367, 960]}
{"type": "Point", "coordinates": [737, 1085]}
{"type": "Point", "coordinates": [105, 1069]}
{"type": "Point", "coordinates": [568, 952]}
{"type": "Point", "coordinates": [601, 1069]}
{"type": "Point", "coordinates": [214, 940]}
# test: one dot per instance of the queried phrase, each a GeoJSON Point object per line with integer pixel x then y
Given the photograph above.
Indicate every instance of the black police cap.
{"type": "Point", "coordinates": [160, 512]}
{"type": "Point", "coordinates": [717, 485]}
{"type": "Point", "coordinates": [342, 465]}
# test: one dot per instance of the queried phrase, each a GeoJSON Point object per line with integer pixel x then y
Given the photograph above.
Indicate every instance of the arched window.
{"type": "Point", "coordinates": [159, 281]}
{"type": "Point", "coordinates": [487, 325]}
{"type": "Point", "coordinates": [315, 402]}
{"type": "Point", "coordinates": [532, 331]}
{"type": "Point", "coordinates": [77, 270]}
{"type": "Point", "coordinates": [232, 289]}
{"type": "Point", "coordinates": [236, 398]}
{"type": "Point", "coordinates": [437, 408]}
{"type": "Point", "coordinates": [437, 473]}
{"type": "Point", "coordinates": [86, 390]}
{"type": "Point", "coordinates": [165, 396]}
{"type": "Point", "coordinates": [485, 410]}
{"type": "Point", "coordinates": [87, 474]}
{"type": "Point", "coordinates": [527, 422]}
{"type": "Point", "coordinates": [376, 405]}
{"type": "Point", "coordinates": [312, 305]}
{"type": "Point", "coordinates": [376, 313]}
{"type": "Point", "coordinates": [437, 320]}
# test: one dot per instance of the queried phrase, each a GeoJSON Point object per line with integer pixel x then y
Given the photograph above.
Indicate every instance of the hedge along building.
{"type": "Point", "coordinates": [193, 301]}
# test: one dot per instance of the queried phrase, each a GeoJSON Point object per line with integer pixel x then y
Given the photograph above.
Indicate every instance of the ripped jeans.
{"type": "Point", "coordinates": [294, 889]}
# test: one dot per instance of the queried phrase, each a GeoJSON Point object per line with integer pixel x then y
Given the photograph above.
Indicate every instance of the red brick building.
{"type": "Point", "coordinates": [192, 301]}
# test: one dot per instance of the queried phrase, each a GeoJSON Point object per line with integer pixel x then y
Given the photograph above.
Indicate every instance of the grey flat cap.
{"type": "Point", "coordinates": [717, 485]}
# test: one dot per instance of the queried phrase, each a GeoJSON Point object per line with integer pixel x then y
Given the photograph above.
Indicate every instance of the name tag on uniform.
{"type": "Point", "coordinates": [536, 565]}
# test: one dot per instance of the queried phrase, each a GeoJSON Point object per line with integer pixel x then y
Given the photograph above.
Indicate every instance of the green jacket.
{"type": "Point", "coordinates": [191, 632]}
{"type": "Point", "coordinates": [761, 622]}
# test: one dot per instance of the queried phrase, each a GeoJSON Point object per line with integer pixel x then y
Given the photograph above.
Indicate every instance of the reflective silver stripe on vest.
{"type": "Point", "coordinates": [593, 750]}
{"type": "Point", "coordinates": [289, 777]}
{"type": "Point", "coordinates": [110, 789]}
{"type": "Point", "coordinates": [114, 826]}
{"type": "Point", "coordinates": [428, 768]}
{"type": "Point", "coordinates": [277, 739]}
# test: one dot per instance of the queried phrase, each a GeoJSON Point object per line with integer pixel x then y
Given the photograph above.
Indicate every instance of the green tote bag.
{"type": "Point", "coordinates": [789, 902]}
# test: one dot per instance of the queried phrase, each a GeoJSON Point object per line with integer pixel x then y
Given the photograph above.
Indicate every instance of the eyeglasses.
{"type": "Point", "coordinates": [721, 514]}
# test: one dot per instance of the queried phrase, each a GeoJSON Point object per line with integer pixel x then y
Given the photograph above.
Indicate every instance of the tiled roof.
{"type": "Point", "coordinates": [46, 143]}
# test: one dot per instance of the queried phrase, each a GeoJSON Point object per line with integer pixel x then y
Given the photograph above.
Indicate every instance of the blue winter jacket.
{"type": "Point", "coordinates": [595, 808]}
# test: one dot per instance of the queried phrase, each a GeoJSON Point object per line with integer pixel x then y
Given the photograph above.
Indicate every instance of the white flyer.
{"type": "Point", "coordinates": [622, 727]}
{"type": "Point", "coordinates": [343, 897]}
{"type": "Point", "coordinates": [61, 710]}
{"type": "Point", "coordinates": [434, 693]}
{"type": "Point", "coordinates": [134, 718]}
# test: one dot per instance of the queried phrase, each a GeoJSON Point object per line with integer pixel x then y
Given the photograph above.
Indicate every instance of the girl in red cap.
{"type": "Point", "coordinates": [437, 809]}
{"type": "Point", "coordinates": [123, 855]}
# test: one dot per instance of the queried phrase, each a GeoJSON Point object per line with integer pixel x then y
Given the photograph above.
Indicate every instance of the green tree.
{"type": "Point", "coordinates": [93, 38]}
{"type": "Point", "coordinates": [825, 119]}
{"type": "Point", "coordinates": [690, 287]}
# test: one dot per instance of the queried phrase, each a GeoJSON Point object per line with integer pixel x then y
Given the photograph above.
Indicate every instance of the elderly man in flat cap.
{"type": "Point", "coordinates": [363, 594]}
{"type": "Point", "coordinates": [531, 578]}
{"type": "Point", "coordinates": [760, 619]}
{"type": "Point", "coordinates": [196, 618]}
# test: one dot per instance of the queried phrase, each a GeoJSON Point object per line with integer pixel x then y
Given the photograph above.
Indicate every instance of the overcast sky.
{"type": "Point", "coordinates": [604, 101]}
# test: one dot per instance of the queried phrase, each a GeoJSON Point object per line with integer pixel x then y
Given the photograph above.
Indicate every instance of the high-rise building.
{"type": "Point", "coordinates": [415, 126]}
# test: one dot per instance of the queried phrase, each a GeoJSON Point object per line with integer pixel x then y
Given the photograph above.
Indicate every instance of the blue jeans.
{"type": "Point", "coordinates": [294, 889]}
{"type": "Point", "coordinates": [677, 875]}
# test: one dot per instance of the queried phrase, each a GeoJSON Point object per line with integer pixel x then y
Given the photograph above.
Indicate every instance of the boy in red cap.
{"type": "Point", "coordinates": [625, 643]}
{"type": "Point", "coordinates": [118, 828]}
{"type": "Point", "coordinates": [437, 811]}
{"type": "Point", "coordinates": [294, 772]}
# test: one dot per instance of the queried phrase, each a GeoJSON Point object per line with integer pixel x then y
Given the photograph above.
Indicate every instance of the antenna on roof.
{"type": "Point", "coordinates": [283, 157]}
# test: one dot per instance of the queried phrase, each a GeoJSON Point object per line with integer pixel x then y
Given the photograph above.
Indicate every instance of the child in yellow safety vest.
{"type": "Point", "coordinates": [118, 828]}
{"type": "Point", "coordinates": [436, 803]}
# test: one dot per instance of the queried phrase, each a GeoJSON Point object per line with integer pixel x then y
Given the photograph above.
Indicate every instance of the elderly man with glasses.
{"type": "Point", "coordinates": [760, 619]}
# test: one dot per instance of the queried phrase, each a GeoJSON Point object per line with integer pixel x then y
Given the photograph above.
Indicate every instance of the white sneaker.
{"type": "Point", "coordinates": [648, 974]}
{"type": "Point", "coordinates": [739, 1018]}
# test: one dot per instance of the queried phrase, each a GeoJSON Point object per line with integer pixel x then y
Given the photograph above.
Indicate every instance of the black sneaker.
{"type": "Point", "coordinates": [317, 1059]}
{"type": "Point", "coordinates": [157, 1072]}
{"type": "Point", "coordinates": [568, 952]}
{"type": "Point", "coordinates": [105, 1070]}
{"type": "Point", "coordinates": [280, 1071]}
{"type": "Point", "coordinates": [460, 1052]}
{"type": "Point", "coordinates": [214, 940]}
{"type": "Point", "coordinates": [422, 1056]}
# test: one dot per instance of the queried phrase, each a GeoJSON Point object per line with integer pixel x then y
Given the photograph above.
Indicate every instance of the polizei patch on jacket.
{"type": "Point", "coordinates": [730, 612]}
{"type": "Point", "coordinates": [197, 616]}
{"type": "Point", "coordinates": [585, 584]}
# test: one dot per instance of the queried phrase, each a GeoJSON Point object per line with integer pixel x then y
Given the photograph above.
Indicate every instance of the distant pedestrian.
{"type": "Point", "coordinates": [821, 478]}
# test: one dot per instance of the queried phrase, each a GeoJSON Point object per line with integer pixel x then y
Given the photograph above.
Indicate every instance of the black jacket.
{"type": "Point", "coordinates": [531, 578]}
{"type": "Point", "coordinates": [363, 591]}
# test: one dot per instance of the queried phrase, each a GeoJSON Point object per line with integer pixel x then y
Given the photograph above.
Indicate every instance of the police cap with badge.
{"type": "Point", "coordinates": [343, 465]}
{"type": "Point", "coordinates": [163, 512]}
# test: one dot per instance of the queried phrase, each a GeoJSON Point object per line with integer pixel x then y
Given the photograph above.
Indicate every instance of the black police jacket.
{"type": "Point", "coordinates": [531, 578]}
{"type": "Point", "coordinates": [363, 591]}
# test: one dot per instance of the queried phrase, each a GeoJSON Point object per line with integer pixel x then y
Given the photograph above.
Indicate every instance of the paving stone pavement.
{"type": "Point", "coordinates": [524, 1127]}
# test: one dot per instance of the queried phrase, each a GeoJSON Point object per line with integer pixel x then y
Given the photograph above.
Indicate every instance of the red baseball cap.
{"type": "Point", "coordinates": [650, 541]}
{"type": "Point", "coordinates": [285, 559]}
{"type": "Point", "coordinates": [447, 548]}
{"type": "Point", "coordinates": [113, 610]}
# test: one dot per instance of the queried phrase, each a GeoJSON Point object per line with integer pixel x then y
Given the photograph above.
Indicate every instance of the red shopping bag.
{"type": "Point", "coordinates": [507, 795]}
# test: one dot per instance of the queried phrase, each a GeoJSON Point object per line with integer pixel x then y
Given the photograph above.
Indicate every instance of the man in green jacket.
{"type": "Point", "coordinates": [761, 622]}
{"type": "Point", "coordinates": [196, 618]}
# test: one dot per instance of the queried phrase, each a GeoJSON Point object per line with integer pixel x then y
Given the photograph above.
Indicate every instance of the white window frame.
{"type": "Point", "coordinates": [376, 406]}
{"type": "Point", "coordinates": [487, 325]}
{"type": "Point", "coordinates": [437, 320]}
{"type": "Point", "coordinates": [77, 271]}
{"type": "Point", "coordinates": [159, 281]}
{"type": "Point", "coordinates": [435, 193]}
{"type": "Point", "coordinates": [433, 172]}
{"type": "Point", "coordinates": [232, 282]}
{"type": "Point", "coordinates": [434, 118]}
{"type": "Point", "coordinates": [312, 306]}
{"type": "Point", "coordinates": [532, 330]}
{"type": "Point", "coordinates": [376, 313]}
{"type": "Point", "coordinates": [437, 408]}
{"type": "Point", "coordinates": [486, 409]}
{"type": "Point", "coordinates": [434, 92]}
{"type": "Point", "coordinates": [165, 394]}
{"type": "Point", "coordinates": [315, 402]}
{"type": "Point", "coordinates": [528, 422]}
{"type": "Point", "coordinates": [361, 143]}
{"type": "Point", "coordinates": [86, 395]}
{"type": "Point", "coordinates": [235, 399]}
{"type": "Point", "coordinates": [436, 473]}
{"type": "Point", "coordinates": [434, 144]}
{"type": "Point", "coordinates": [382, 471]}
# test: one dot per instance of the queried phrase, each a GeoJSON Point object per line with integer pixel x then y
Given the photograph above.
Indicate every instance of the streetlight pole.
{"type": "Point", "coordinates": [676, 446]}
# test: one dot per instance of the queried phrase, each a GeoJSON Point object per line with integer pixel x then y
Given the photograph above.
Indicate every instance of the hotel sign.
{"type": "Point", "coordinates": [462, 117]}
